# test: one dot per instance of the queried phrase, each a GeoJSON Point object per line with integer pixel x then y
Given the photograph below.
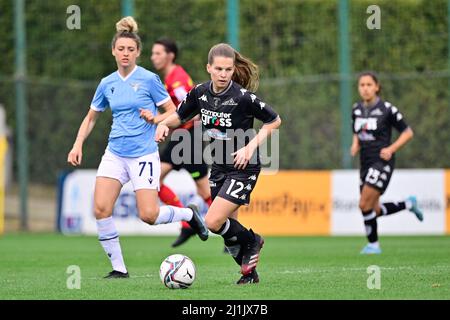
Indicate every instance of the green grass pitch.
{"type": "Point", "coordinates": [33, 266]}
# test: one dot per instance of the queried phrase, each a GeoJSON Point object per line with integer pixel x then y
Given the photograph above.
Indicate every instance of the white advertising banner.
{"type": "Point", "coordinates": [78, 205]}
{"type": "Point", "coordinates": [427, 185]}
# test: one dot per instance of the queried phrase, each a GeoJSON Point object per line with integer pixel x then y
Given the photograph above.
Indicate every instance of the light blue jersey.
{"type": "Point", "coordinates": [130, 135]}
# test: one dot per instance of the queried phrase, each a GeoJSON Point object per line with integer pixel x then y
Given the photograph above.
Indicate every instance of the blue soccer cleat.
{"type": "Point", "coordinates": [415, 208]}
{"type": "Point", "coordinates": [370, 249]}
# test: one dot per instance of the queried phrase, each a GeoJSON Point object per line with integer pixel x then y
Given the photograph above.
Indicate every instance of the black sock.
{"type": "Point", "coordinates": [235, 251]}
{"type": "Point", "coordinates": [233, 231]}
{"type": "Point", "coordinates": [370, 222]}
{"type": "Point", "coordinates": [392, 207]}
{"type": "Point", "coordinates": [235, 235]}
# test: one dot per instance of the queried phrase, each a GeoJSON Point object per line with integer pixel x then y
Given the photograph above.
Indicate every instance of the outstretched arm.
{"type": "Point", "coordinates": [171, 122]}
{"type": "Point", "coordinates": [76, 154]}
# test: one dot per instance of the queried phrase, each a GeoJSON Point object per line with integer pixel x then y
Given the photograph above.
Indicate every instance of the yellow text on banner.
{"type": "Point", "coordinates": [290, 203]}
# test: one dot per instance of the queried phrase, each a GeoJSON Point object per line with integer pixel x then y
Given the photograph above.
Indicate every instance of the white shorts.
{"type": "Point", "coordinates": [144, 172]}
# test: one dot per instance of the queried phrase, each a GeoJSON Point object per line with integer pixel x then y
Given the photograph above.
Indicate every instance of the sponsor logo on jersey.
{"type": "Point", "coordinates": [383, 176]}
{"type": "Point", "coordinates": [248, 187]}
{"type": "Point", "coordinates": [253, 97]}
{"type": "Point", "coordinates": [252, 177]}
{"type": "Point", "coordinates": [357, 112]}
{"type": "Point", "coordinates": [365, 136]}
{"type": "Point", "coordinates": [262, 105]}
{"type": "Point", "coordinates": [217, 134]}
{"type": "Point", "coordinates": [380, 184]}
{"type": "Point", "coordinates": [222, 119]}
{"type": "Point", "coordinates": [365, 124]}
{"type": "Point", "coordinates": [212, 184]}
{"type": "Point", "coordinates": [243, 91]}
{"type": "Point", "coordinates": [203, 98]}
{"type": "Point", "coordinates": [180, 93]}
{"type": "Point", "coordinates": [376, 112]}
{"type": "Point", "coordinates": [230, 102]}
{"type": "Point", "coordinates": [112, 90]}
{"type": "Point", "coordinates": [387, 168]}
{"type": "Point", "coordinates": [243, 197]}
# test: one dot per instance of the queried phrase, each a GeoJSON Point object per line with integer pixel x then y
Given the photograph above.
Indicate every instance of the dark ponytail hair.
{"type": "Point", "coordinates": [246, 73]}
{"type": "Point", "coordinates": [169, 46]}
{"type": "Point", "coordinates": [374, 77]}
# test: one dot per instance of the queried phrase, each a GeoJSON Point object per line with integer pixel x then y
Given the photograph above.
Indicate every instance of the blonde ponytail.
{"type": "Point", "coordinates": [127, 24]}
{"type": "Point", "coordinates": [127, 28]}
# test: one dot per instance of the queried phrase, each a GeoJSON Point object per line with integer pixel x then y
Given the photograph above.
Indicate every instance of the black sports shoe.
{"type": "Point", "coordinates": [250, 256]}
{"type": "Point", "coordinates": [197, 223]}
{"type": "Point", "coordinates": [184, 236]}
{"type": "Point", "coordinates": [116, 274]}
{"type": "Point", "coordinates": [252, 277]}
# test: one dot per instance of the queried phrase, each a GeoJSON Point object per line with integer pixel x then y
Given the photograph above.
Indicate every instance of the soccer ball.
{"type": "Point", "coordinates": [177, 272]}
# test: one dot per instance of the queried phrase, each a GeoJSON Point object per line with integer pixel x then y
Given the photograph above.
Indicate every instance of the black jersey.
{"type": "Point", "coordinates": [373, 125]}
{"type": "Point", "coordinates": [227, 118]}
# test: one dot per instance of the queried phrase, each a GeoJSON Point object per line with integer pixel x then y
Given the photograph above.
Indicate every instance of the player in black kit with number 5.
{"type": "Point", "coordinates": [373, 120]}
{"type": "Point", "coordinates": [228, 109]}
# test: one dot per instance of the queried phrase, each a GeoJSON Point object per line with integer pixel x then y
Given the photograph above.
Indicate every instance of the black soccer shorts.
{"type": "Point", "coordinates": [377, 175]}
{"type": "Point", "coordinates": [233, 185]}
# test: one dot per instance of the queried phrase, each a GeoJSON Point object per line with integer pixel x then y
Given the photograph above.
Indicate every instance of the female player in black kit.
{"type": "Point", "coordinates": [373, 120]}
{"type": "Point", "coordinates": [227, 110]}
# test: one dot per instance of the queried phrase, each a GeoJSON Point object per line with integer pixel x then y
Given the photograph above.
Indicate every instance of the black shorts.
{"type": "Point", "coordinates": [233, 185]}
{"type": "Point", "coordinates": [197, 170]}
{"type": "Point", "coordinates": [376, 175]}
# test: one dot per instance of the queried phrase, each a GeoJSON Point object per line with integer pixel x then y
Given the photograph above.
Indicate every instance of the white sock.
{"type": "Point", "coordinates": [408, 204]}
{"type": "Point", "coordinates": [169, 214]}
{"type": "Point", "coordinates": [375, 244]}
{"type": "Point", "coordinates": [109, 239]}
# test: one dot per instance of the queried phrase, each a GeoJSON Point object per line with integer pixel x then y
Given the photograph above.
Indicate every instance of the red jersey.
{"type": "Point", "coordinates": [178, 83]}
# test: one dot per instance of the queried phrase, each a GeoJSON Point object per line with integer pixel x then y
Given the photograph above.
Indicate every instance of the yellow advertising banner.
{"type": "Point", "coordinates": [447, 200]}
{"type": "Point", "coordinates": [290, 203]}
{"type": "Point", "coordinates": [3, 149]}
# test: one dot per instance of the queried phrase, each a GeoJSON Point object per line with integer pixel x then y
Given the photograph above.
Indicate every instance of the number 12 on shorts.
{"type": "Point", "coordinates": [234, 193]}
{"type": "Point", "coordinates": [143, 164]}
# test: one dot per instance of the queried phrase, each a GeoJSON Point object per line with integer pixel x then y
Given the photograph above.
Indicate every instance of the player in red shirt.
{"type": "Point", "coordinates": [178, 83]}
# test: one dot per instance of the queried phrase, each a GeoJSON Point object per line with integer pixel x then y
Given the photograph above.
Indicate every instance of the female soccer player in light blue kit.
{"type": "Point", "coordinates": [132, 153]}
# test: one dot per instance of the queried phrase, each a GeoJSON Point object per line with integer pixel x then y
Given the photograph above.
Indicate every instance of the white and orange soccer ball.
{"type": "Point", "coordinates": [177, 272]}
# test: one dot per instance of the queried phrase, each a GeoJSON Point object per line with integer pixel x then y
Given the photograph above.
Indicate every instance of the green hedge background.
{"type": "Point", "coordinates": [294, 42]}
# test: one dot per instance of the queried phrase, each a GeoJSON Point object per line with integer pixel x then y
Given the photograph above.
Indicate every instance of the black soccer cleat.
{"type": "Point", "coordinates": [252, 277]}
{"type": "Point", "coordinates": [184, 236]}
{"type": "Point", "coordinates": [197, 223]}
{"type": "Point", "coordinates": [250, 256]}
{"type": "Point", "coordinates": [116, 275]}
